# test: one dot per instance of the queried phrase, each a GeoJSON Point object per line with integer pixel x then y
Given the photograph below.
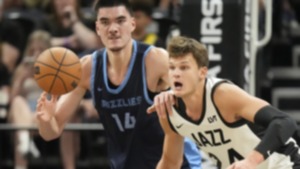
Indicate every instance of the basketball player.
{"type": "Point", "coordinates": [234, 128]}
{"type": "Point", "coordinates": [122, 78]}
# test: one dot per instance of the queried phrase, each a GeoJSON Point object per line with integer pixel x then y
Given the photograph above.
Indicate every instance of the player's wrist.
{"type": "Point", "coordinates": [255, 157]}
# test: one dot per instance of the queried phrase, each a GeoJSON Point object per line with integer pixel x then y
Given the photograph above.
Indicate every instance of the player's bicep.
{"type": "Point", "coordinates": [232, 99]}
{"type": "Point", "coordinates": [157, 68]}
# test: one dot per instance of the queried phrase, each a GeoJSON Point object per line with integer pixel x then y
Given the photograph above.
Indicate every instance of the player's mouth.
{"type": "Point", "coordinates": [113, 38]}
{"type": "Point", "coordinates": [177, 85]}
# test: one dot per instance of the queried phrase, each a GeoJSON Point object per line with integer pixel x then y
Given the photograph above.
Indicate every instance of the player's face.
{"type": "Point", "coordinates": [114, 26]}
{"type": "Point", "coordinates": [185, 75]}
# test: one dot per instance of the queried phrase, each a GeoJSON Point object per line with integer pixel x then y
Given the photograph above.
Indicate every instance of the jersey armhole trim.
{"type": "Point", "coordinates": [145, 87]}
{"type": "Point", "coordinates": [230, 125]}
{"type": "Point", "coordinates": [93, 74]}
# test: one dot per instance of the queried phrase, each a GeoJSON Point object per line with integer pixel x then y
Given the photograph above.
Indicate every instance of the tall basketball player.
{"type": "Point", "coordinates": [122, 77]}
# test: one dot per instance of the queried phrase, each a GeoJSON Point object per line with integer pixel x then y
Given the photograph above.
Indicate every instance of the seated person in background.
{"type": "Point", "coordinates": [69, 28]}
{"type": "Point", "coordinates": [237, 130]}
{"type": "Point", "coordinates": [4, 89]}
{"type": "Point", "coordinates": [142, 11]}
{"type": "Point", "coordinates": [24, 94]}
{"type": "Point", "coordinates": [12, 41]}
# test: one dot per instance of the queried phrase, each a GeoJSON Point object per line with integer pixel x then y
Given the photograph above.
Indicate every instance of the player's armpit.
{"type": "Point", "coordinates": [280, 127]}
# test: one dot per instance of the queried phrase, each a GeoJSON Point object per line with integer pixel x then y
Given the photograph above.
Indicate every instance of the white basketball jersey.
{"type": "Point", "coordinates": [223, 142]}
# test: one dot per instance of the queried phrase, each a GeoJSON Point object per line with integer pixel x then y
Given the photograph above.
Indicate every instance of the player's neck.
{"type": "Point", "coordinates": [193, 102]}
{"type": "Point", "coordinates": [118, 60]}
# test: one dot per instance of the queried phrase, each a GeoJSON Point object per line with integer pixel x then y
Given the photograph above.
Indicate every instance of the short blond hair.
{"type": "Point", "coordinates": [180, 46]}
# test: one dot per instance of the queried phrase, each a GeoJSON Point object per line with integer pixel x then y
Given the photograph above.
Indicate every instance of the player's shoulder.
{"type": "Point", "coordinates": [157, 56]}
{"type": "Point", "coordinates": [157, 52]}
{"type": "Point", "coordinates": [86, 60]}
{"type": "Point", "coordinates": [224, 87]}
{"type": "Point", "coordinates": [229, 93]}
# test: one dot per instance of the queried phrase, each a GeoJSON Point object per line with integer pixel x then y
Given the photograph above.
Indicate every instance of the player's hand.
{"type": "Point", "coordinates": [46, 108]}
{"type": "Point", "coordinates": [163, 103]}
{"type": "Point", "coordinates": [243, 164]}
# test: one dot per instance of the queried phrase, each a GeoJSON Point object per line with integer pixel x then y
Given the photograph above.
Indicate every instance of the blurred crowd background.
{"type": "Point", "coordinates": [27, 27]}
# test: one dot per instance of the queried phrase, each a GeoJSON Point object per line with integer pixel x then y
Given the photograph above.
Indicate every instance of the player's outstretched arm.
{"type": "Point", "coordinates": [53, 114]}
{"type": "Point", "coordinates": [279, 126]}
{"type": "Point", "coordinates": [173, 148]}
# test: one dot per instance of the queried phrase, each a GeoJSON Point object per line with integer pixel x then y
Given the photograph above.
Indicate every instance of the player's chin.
{"type": "Point", "coordinates": [178, 92]}
{"type": "Point", "coordinates": [116, 48]}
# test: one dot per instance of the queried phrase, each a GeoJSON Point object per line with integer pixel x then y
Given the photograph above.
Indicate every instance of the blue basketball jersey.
{"type": "Point", "coordinates": [134, 138]}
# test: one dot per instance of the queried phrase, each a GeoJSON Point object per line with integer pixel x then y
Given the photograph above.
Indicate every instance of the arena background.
{"type": "Point", "coordinates": [232, 31]}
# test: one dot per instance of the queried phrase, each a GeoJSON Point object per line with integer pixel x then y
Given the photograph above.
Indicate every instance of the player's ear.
{"type": "Point", "coordinates": [97, 28]}
{"type": "Point", "coordinates": [133, 23]}
{"type": "Point", "coordinates": [203, 72]}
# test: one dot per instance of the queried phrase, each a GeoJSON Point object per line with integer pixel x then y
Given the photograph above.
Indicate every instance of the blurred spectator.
{"type": "Point", "coordinates": [70, 29]}
{"type": "Point", "coordinates": [289, 20]}
{"type": "Point", "coordinates": [25, 93]}
{"type": "Point", "coordinates": [143, 16]}
{"type": "Point", "coordinates": [4, 89]}
{"type": "Point", "coordinates": [11, 40]}
{"type": "Point", "coordinates": [167, 9]}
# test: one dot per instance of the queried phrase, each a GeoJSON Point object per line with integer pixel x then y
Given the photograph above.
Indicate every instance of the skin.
{"type": "Point", "coordinates": [232, 102]}
{"type": "Point", "coordinates": [114, 25]}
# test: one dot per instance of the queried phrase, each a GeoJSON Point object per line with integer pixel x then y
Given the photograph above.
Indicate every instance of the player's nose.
{"type": "Point", "coordinates": [113, 28]}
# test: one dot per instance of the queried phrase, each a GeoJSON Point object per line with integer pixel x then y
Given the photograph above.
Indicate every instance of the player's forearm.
{"type": "Point", "coordinates": [280, 128]}
{"type": "Point", "coordinates": [255, 157]}
{"type": "Point", "coordinates": [49, 130]}
{"type": "Point", "coordinates": [166, 164]}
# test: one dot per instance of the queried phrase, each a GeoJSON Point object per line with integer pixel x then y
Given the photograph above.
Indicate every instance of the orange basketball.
{"type": "Point", "coordinates": [57, 70]}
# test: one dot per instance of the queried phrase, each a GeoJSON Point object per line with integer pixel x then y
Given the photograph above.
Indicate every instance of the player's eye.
{"type": "Point", "coordinates": [121, 20]}
{"type": "Point", "coordinates": [104, 22]}
{"type": "Point", "coordinates": [184, 67]}
{"type": "Point", "coordinates": [171, 67]}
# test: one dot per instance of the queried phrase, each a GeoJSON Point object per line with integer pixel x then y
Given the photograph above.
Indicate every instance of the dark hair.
{"type": "Point", "coordinates": [113, 3]}
{"type": "Point", "coordinates": [143, 6]}
{"type": "Point", "coordinates": [180, 46]}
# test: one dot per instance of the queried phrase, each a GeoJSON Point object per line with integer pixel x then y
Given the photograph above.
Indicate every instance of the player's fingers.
{"type": "Point", "coordinates": [168, 104]}
{"type": "Point", "coordinates": [151, 109]}
{"type": "Point", "coordinates": [162, 106]}
{"type": "Point", "coordinates": [42, 96]}
{"type": "Point", "coordinates": [39, 106]}
{"type": "Point", "coordinates": [172, 103]}
{"type": "Point", "coordinates": [231, 166]}
{"type": "Point", "coordinates": [54, 98]}
{"type": "Point", "coordinates": [157, 106]}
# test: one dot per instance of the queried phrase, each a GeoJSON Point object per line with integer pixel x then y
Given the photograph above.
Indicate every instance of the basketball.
{"type": "Point", "coordinates": [57, 70]}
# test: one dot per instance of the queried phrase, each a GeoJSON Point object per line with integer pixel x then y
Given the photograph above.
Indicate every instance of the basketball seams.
{"type": "Point", "coordinates": [63, 82]}
{"type": "Point", "coordinates": [53, 57]}
{"type": "Point", "coordinates": [58, 69]}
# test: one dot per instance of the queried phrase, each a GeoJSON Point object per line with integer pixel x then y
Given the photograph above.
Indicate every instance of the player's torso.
{"type": "Point", "coordinates": [122, 109]}
{"type": "Point", "coordinates": [222, 141]}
